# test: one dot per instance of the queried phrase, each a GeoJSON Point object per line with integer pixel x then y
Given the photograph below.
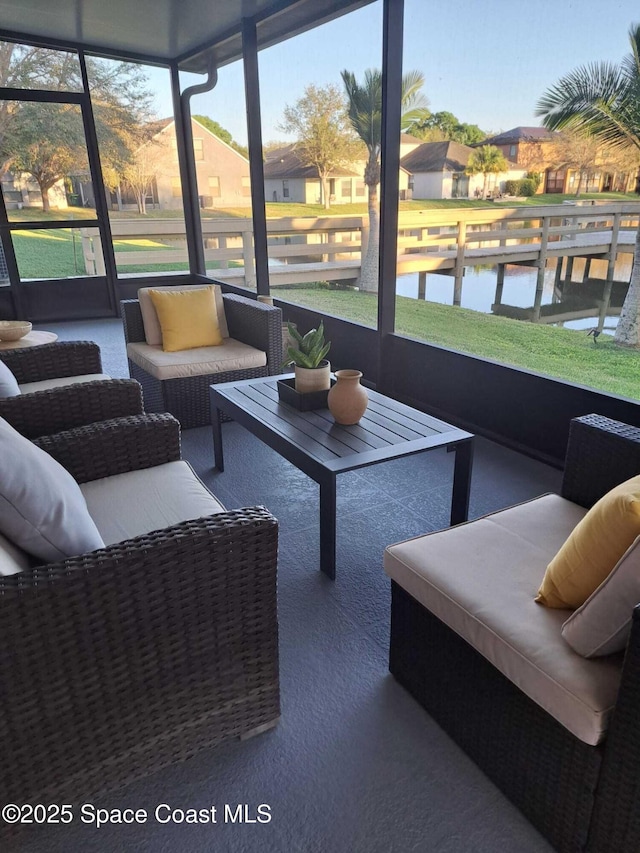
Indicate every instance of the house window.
{"type": "Point", "coordinates": [345, 189]}
{"type": "Point", "coordinates": [214, 187]}
{"type": "Point", "coordinates": [246, 186]}
{"type": "Point", "coordinates": [359, 187]}
{"type": "Point", "coordinates": [198, 148]}
{"type": "Point", "coordinates": [513, 150]}
{"type": "Point", "coordinates": [332, 187]}
{"type": "Point", "coordinates": [176, 187]}
{"type": "Point", "coordinates": [285, 189]}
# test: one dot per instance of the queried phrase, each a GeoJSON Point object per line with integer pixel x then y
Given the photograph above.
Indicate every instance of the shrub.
{"type": "Point", "coordinates": [511, 187]}
{"type": "Point", "coordinates": [527, 187]}
{"type": "Point", "coordinates": [536, 177]}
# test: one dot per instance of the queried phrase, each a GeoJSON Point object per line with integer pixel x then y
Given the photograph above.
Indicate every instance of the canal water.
{"type": "Point", "coordinates": [575, 297]}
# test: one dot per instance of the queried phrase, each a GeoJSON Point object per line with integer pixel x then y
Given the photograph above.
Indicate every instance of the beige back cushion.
{"type": "Point", "coordinates": [152, 330]}
{"type": "Point", "coordinates": [602, 625]}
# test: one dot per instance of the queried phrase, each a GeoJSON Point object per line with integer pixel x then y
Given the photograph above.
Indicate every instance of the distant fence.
{"type": "Point", "coordinates": [330, 247]}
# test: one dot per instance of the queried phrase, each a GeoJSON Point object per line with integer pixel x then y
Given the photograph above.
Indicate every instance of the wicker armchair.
{"type": "Point", "coordinates": [68, 406]}
{"type": "Point", "coordinates": [250, 322]}
{"type": "Point", "coordinates": [52, 361]}
{"type": "Point", "coordinates": [130, 658]}
{"type": "Point", "coordinates": [581, 797]}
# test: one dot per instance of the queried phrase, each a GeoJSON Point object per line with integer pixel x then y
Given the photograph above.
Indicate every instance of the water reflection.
{"type": "Point", "coordinates": [574, 304]}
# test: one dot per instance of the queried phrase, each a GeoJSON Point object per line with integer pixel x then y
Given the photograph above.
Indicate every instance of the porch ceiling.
{"type": "Point", "coordinates": [167, 29]}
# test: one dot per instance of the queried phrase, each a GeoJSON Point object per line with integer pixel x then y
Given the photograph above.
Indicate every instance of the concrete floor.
{"type": "Point", "coordinates": [355, 765]}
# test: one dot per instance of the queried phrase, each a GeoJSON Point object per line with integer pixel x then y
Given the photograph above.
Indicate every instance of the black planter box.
{"type": "Point", "coordinates": [302, 402]}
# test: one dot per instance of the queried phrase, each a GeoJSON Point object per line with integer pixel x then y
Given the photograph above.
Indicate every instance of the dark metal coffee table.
{"type": "Point", "coordinates": [322, 449]}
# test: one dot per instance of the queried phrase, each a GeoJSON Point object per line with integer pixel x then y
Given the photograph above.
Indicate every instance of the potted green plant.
{"type": "Point", "coordinates": [311, 368]}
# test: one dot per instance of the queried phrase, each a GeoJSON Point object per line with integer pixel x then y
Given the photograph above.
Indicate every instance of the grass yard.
{"type": "Point", "coordinates": [563, 353]}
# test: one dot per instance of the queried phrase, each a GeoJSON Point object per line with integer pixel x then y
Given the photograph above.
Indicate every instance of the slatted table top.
{"type": "Point", "coordinates": [313, 440]}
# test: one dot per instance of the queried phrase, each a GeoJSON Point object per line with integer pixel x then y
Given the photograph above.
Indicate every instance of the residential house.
{"type": "Point", "coordinates": [222, 173]}
{"type": "Point", "coordinates": [438, 171]}
{"type": "Point", "coordinates": [288, 178]}
{"type": "Point", "coordinates": [20, 189]}
{"type": "Point", "coordinates": [533, 149]}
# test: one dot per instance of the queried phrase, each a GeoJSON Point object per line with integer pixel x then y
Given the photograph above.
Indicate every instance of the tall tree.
{"type": "Point", "coordinates": [48, 143]}
{"type": "Point", "coordinates": [365, 114]}
{"type": "Point", "coordinates": [47, 140]}
{"type": "Point", "coordinates": [440, 126]}
{"type": "Point", "coordinates": [486, 160]}
{"type": "Point", "coordinates": [603, 99]}
{"type": "Point", "coordinates": [325, 138]}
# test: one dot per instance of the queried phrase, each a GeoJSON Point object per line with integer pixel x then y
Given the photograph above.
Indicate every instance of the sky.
{"type": "Point", "coordinates": [486, 61]}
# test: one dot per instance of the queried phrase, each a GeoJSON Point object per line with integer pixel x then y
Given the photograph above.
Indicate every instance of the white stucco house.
{"type": "Point", "coordinates": [288, 178]}
{"type": "Point", "coordinates": [438, 171]}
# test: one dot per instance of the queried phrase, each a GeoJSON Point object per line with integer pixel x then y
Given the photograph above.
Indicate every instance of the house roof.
{"type": "Point", "coordinates": [285, 162]}
{"type": "Point", "coordinates": [447, 156]}
{"type": "Point", "coordinates": [519, 134]}
{"type": "Point", "coordinates": [438, 157]}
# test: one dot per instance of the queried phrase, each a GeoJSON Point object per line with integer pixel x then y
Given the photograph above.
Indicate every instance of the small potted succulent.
{"type": "Point", "coordinates": [312, 370]}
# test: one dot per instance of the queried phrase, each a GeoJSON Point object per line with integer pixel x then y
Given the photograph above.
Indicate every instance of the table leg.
{"type": "Point", "coordinates": [461, 481]}
{"type": "Point", "coordinates": [328, 526]}
{"type": "Point", "coordinates": [216, 426]}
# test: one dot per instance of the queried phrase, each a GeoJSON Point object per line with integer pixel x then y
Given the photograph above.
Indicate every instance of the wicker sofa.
{"type": "Point", "coordinates": [168, 387]}
{"type": "Point", "coordinates": [583, 796]}
{"type": "Point", "coordinates": [137, 655]}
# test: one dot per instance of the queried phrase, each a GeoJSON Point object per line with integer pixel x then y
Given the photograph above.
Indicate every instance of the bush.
{"type": "Point", "coordinates": [527, 187]}
{"type": "Point", "coordinates": [523, 187]}
{"type": "Point", "coordinates": [536, 177]}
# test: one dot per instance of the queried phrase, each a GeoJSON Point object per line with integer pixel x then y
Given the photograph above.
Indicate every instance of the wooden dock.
{"type": "Point", "coordinates": [446, 240]}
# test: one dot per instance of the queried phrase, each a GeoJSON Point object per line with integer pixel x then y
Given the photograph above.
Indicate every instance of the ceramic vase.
{"type": "Point", "coordinates": [347, 399]}
{"type": "Point", "coordinates": [310, 379]}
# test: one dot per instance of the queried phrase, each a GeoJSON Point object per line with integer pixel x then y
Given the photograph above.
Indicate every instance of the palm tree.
{"type": "Point", "coordinates": [603, 100]}
{"type": "Point", "coordinates": [365, 115]}
{"type": "Point", "coordinates": [486, 160]}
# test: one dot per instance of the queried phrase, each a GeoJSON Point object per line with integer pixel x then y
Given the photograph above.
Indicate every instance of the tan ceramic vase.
{"type": "Point", "coordinates": [310, 379]}
{"type": "Point", "coordinates": [347, 399]}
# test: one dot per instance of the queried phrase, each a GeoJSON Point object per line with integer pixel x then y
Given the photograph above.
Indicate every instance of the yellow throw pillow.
{"type": "Point", "coordinates": [188, 318]}
{"type": "Point", "coordinates": [593, 548]}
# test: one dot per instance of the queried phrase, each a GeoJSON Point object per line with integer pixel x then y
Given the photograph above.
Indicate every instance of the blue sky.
{"type": "Point", "coordinates": [486, 61]}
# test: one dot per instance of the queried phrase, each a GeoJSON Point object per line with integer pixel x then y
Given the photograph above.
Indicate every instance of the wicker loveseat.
{"type": "Point", "coordinates": [126, 659]}
{"type": "Point", "coordinates": [179, 382]}
{"type": "Point", "coordinates": [474, 652]}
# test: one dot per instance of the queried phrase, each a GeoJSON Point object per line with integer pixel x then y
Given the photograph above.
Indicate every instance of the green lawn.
{"type": "Point", "coordinates": [276, 210]}
{"type": "Point", "coordinates": [553, 351]}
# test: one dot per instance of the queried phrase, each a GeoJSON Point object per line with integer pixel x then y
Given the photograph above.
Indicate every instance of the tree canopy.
{"type": "Point", "coordinates": [440, 126]}
{"type": "Point", "coordinates": [47, 140]}
{"type": "Point", "coordinates": [324, 135]}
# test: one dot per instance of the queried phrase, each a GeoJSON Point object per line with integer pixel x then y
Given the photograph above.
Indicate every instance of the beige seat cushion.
{"type": "Point", "coordinates": [138, 502]}
{"type": "Point", "coordinates": [59, 381]}
{"type": "Point", "coordinates": [151, 323]}
{"type": "Point", "coordinates": [480, 579]}
{"type": "Point", "coordinates": [231, 355]}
